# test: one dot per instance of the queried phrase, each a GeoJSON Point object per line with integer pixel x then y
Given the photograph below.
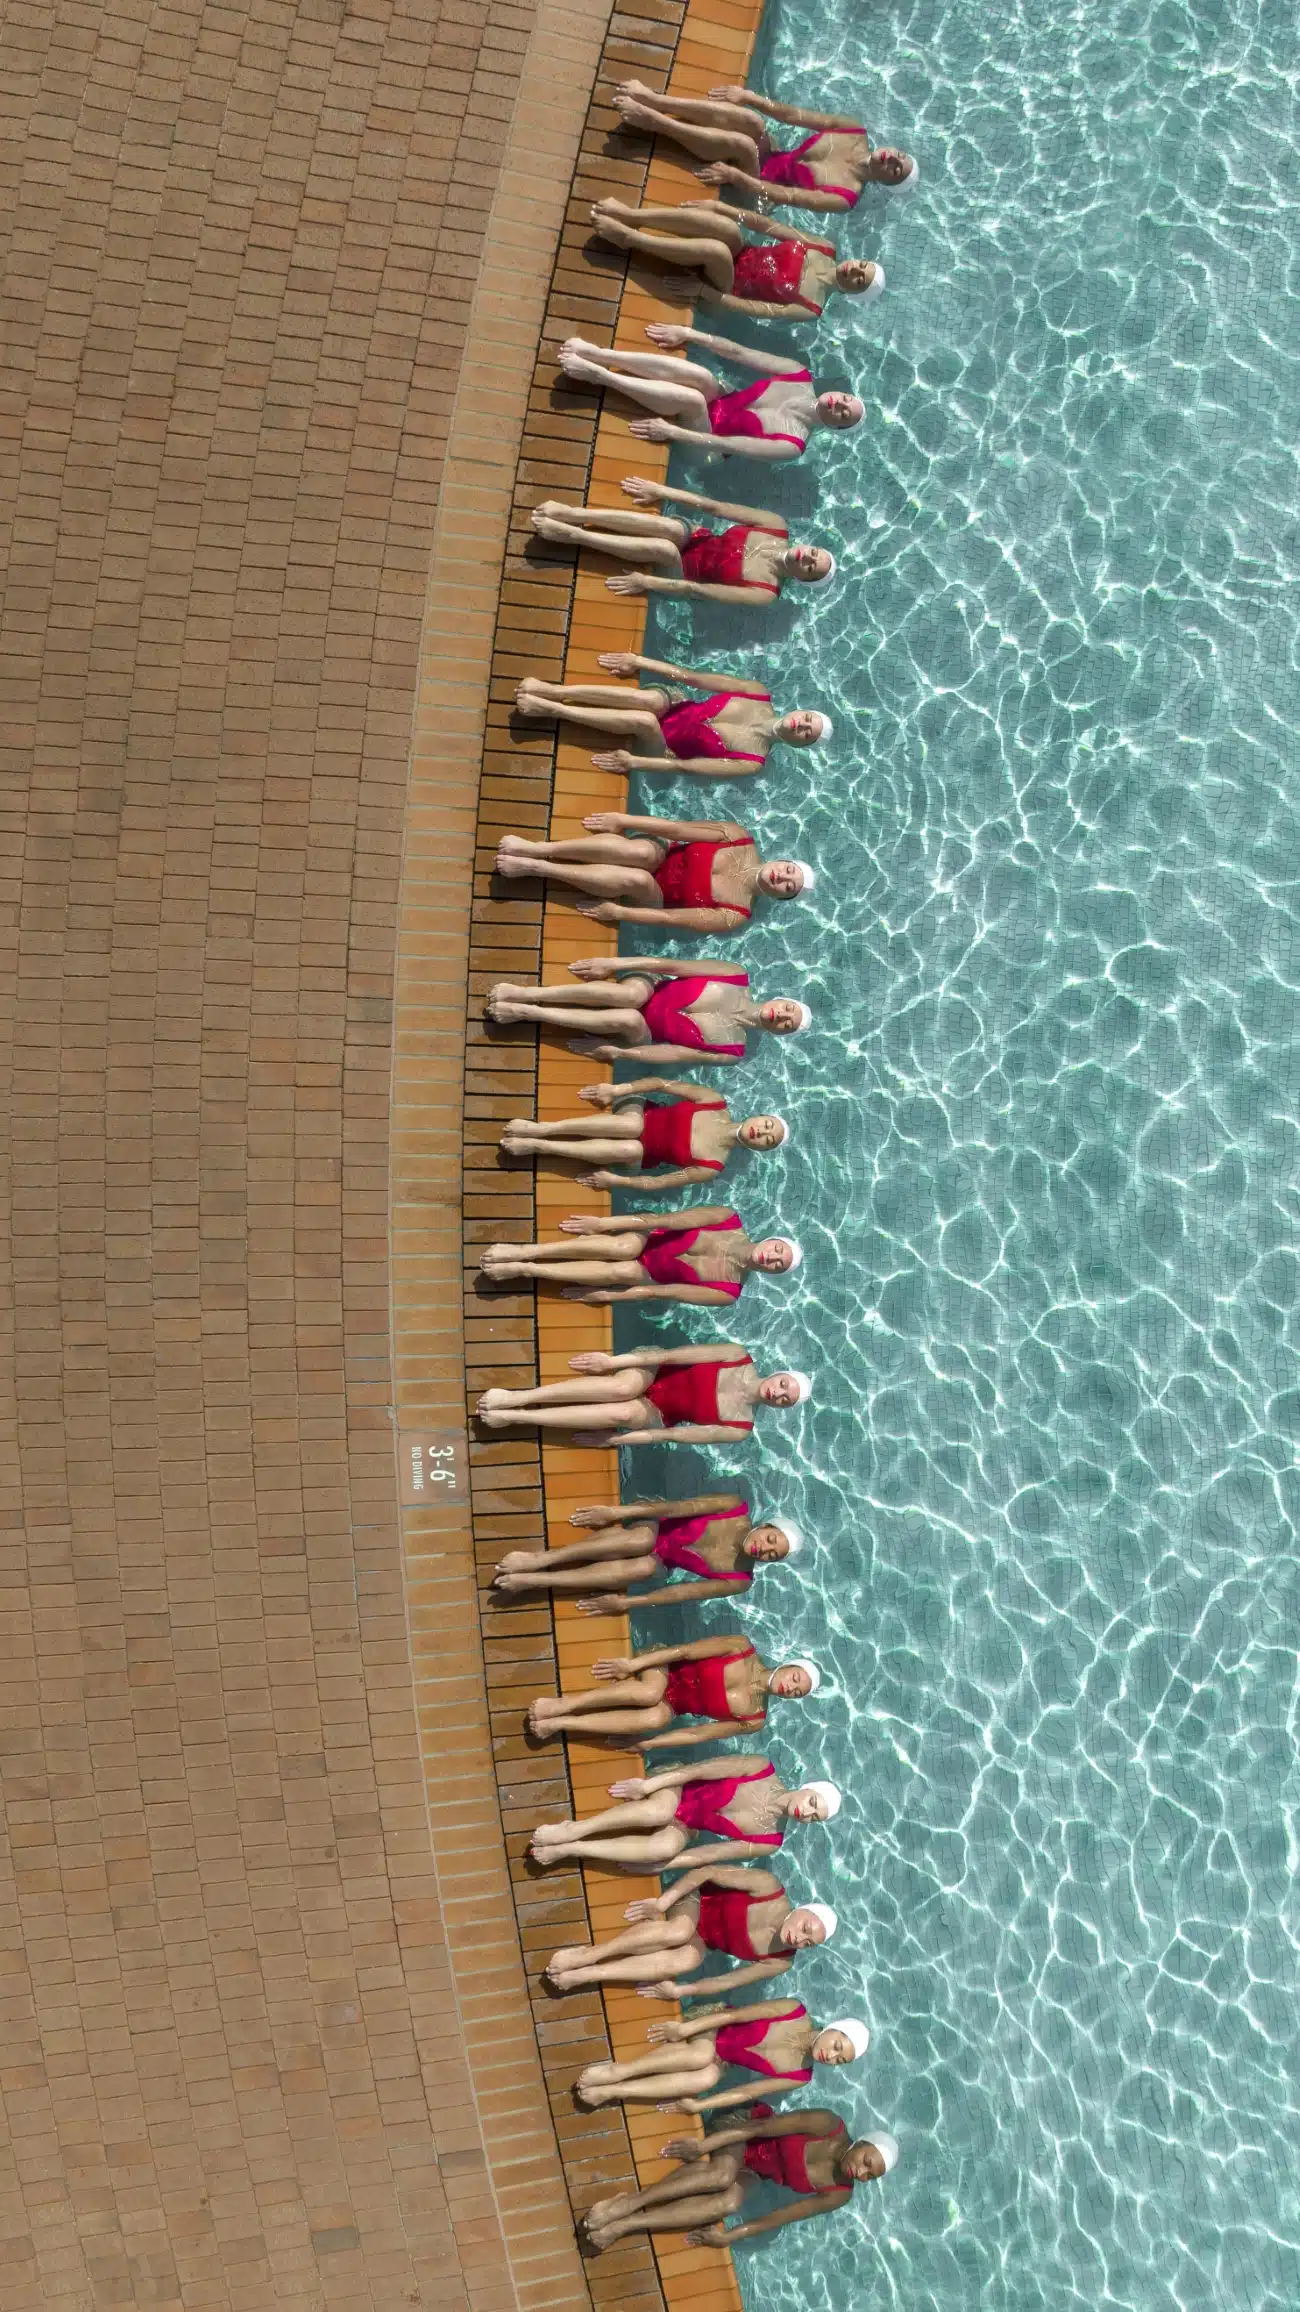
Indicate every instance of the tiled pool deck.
{"type": "Point", "coordinates": [278, 275]}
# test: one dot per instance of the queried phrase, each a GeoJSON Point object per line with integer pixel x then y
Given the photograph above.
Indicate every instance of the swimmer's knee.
{"type": "Point", "coordinates": [733, 2198]}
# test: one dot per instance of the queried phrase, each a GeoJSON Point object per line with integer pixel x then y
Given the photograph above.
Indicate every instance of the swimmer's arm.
{"type": "Point", "coordinates": [709, 1296]}
{"type": "Point", "coordinates": [700, 678]}
{"type": "Point", "coordinates": [747, 356]}
{"type": "Point", "coordinates": [815, 2122]}
{"type": "Point", "coordinates": [699, 1505]}
{"type": "Point", "coordinates": [694, 1650]}
{"type": "Point", "coordinates": [760, 308]}
{"type": "Point", "coordinates": [671, 1089]}
{"type": "Point", "coordinates": [684, 1433]}
{"type": "Point", "coordinates": [695, 589]}
{"type": "Point", "coordinates": [746, 1882]}
{"type": "Point", "coordinates": [730, 2097]}
{"type": "Point", "coordinates": [690, 1593]}
{"type": "Point", "coordinates": [666, 491]}
{"type": "Point", "coordinates": [691, 1176]}
{"type": "Point", "coordinates": [709, 1730]}
{"type": "Point", "coordinates": [758, 1971]}
{"type": "Point", "coordinates": [729, 1850]}
{"type": "Point", "coordinates": [694, 1216]}
{"type": "Point", "coordinates": [710, 766]}
{"type": "Point", "coordinates": [677, 830]}
{"type": "Point", "coordinates": [659, 1055]}
{"type": "Point", "coordinates": [772, 230]}
{"type": "Point", "coordinates": [703, 919]}
{"type": "Point", "coordinates": [819, 2204]}
{"type": "Point", "coordinates": [708, 1770]}
{"type": "Point", "coordinates": [796, 116]}
{"type": "Point", "coordinates": [793, 197]}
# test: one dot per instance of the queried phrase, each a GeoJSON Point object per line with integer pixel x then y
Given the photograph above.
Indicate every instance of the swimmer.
{"type": "Point", "coordinates": [809, 2152]}
{"type": "Point", "coordinates": [702, 1395]}
{"type": "Point", "coordinates": [721, 1680]}
{"type": "Point", "coordinates": [740, 1910]}
{"type": "Point", "coordinates": [727, 131]}
{"type": "Point", "coordinates": [676, 874]}
{"type": "Point", "coordinates": [773, 419]}
{"type": "Point", "coordinates": [777, 2038]}
{"type": "Point", "coordinates": [793, 279]}
{"type": "Point", "coordinates": [727, 734]}
{"type": "Point", "coordinates": [740, 1802]}
{"type": "Point", "coordinates": [712, 1536]}
{"type": "Point", "coordinates": [746, 564]}
{"type": "Point", "coordinates": [702, 1255]}
{"type": "Point", "coordinates": [644, 1124]}
{"type": "Point", "coordinates": [661, 1009]}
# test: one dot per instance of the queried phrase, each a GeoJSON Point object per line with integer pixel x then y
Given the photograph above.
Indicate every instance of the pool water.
{"type": "Point", "coordinates": [1045, 1157]}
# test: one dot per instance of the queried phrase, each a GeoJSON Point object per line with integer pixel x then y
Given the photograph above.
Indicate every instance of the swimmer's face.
{"type": "Point", "coordinates": [766, 1543]}
{"type": "Point", "coordinates": [812, 562]}
{"type": "Point", "coordinates": [779, 1389]}
{"type": "Point", "coordinates": [802, 1931]}
{"type": "Point", "coordinates": [782, 1016]}
{"type": "Point", "coordinates": [761, 1132]}
{"type": "Point", "coordinates": [854, 275]}
{"type": "Point", "coordinates": [804, 727]}
{"type": "Point", "coordinates": [773, 1255]}
{"type": "Point", "coordinates": [888, 166]}
{"type": "Point", "coordinates": [790, 1682]}
{"type": "Point", "coordinates": [865, 2162]}
{"type": "Point", "coordinates": [781, 879]}
{"type": "Point", "coordinates": [841, 409]}
{"type": "Point", "coordinates": [810, 1806]}
{"type": "Point", "coordinates": [832, 2047]}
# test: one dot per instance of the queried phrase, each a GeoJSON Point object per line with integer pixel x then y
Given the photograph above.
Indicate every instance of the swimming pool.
{"type": "Point", "coordinates": [1045, 1158]}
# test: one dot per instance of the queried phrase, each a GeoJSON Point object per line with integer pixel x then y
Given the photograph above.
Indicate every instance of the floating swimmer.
{"type": "Point", "coordinates": [807, 2151]}
{"type": "Point", "coordinates": [720, 1680]}
{"type": "Point", "coordinates": [689, 1129]}
{"type": "Point", "coordinates": [792, 279]}
{"type": "Point", "coordinates": [727, 734]}
{"type": "Point", "coordinates": [727, 130]}
{"type": "Point", "coordinates": [740, 1910]}
{"type": "Point", "coordinates": [662, 1009]}
{"type": "Point", "coordinates": [777, 2038]}
{"type": "Point", "coordinates": [773, 419]}
{"type": "Point", "coordinates": [741, 1802]}
{"type": "Point", "coordinates": [747, 563]}
{"type": "Point", "coordinates": [712, 1536]}
{"type": "Point", "coordinates": [678, 874]}
{"type": "Point", "coordinates": [703, 1395]}
{"type": "Point", "coordinates": [702, 1255]}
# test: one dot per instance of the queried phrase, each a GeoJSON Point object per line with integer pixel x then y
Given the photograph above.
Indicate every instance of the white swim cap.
{"type": "Point", "coordinates": [801, 1662]}
{"type": "Point", "coordinates": [828, 728]}
{"type": "Point", "coordinates": [830, 1920]}
{"type": "Point", "coordinates": [861, 2038]}
{"type": "Point", "coordinates": [875, 286]}
{"type": "Point", "coordinates": [826, 575]}
{"type": "Point", "coordinates": [804, 1381]}
{"type": "Point", "coordinates": [805, 1016]}
{"type": "Point", "coordinates": [783, 1124]}
{"type": "Point", "coordinates": [787, 1526]}
{"type": "Point", "coordinates": [795, 1251]}
{"type": "Point", "coordinates": [809, 878]}
{"type": "Point", "coordinates": [834, 1801]}
{"type": "Point", "coordinates": [885, 2143]}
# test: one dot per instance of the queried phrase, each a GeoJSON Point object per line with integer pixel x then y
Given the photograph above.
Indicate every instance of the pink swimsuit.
{"type": "Point", "coordinates": [702, 1806]}
{"type": "Point", "coordinates": [689, 732]}
{"type": "Point", "coordinates": [739, 2043]}
{"type": "Point", "coordinates": [664, 1256]}
{"type": "Point", "coordinates": [717, 557]}
{"type": "Point", "coordinates": [684, 875]}
{"type": "Point", "coordinates": [736, 414]}
{"type": "Point", "coordinates": [772, 276]}
{"type": "Point", "coordinates": [677, 1536]}
{"type": "Point", "coordinates": [782, 2159]}
{"type": "Point", "coordinates": [667, 1008]}
{"type": "Point", "coordinates": [790, 170]}
{"type": "Point", "coordinates": [667, 1134]}
{"type": "Point", "coordinates": [699, 1689]}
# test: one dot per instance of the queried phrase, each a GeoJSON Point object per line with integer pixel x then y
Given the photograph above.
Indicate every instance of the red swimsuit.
{"type": "Point", "coordinates": [699, 1689]}
{"type": "Point", "coordinates": [739, 2043]}
{"type": "Point", "coordinates": [667, 1007]}
{"type": "Point", "coordinates": [773, 275]}
{"type": "Point", "coordinates": [717, 557]}
{"type": "Point", "coordinates": [689, 1394]}
{"type": "Point", "coordinates": [675, 1540]}
{"type": "Point", "coordinates": [723, 1923]}
{"type": "Point", "coordinates": [790, 170]}
{"type": "Point", "coordinates": [735, 413]}
{"type": "Point", "coordinates": [688, 728]}
{"type": "Point", "coordinates": [702, 1806]}
{"type": "Point", "coordinates": [666, 1134]}
{"type": "Point", "coordinates": [664, 1256]}
{"type": "Point", "coordinates": [685, 874]}
{"type": "Point", "coordinates": [782, 2159]}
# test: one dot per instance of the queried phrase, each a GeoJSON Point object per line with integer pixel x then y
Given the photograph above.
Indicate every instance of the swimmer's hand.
{"type": "Point", "coordinates": [612, 1602]}
{"type": "Point", "coordinates": [596, 1096]}
{"type": "Point", "coordinates": [629, 581]}
{"type": "Point", "coordinates": [618, 759]}
{"type": "Point", "coordinates": [669, 336]}
{"type": "Point", "coordinates": [646, 494]}
{"type": "Point", "coordinates": [591, 1361]}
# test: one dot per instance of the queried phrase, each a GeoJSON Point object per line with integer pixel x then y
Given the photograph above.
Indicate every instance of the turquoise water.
{"type": "Point", "coordinates": [1046, 1164]}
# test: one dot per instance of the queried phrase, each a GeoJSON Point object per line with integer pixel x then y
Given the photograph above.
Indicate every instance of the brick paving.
{"type": "Point", "coordinates": [239, 253]}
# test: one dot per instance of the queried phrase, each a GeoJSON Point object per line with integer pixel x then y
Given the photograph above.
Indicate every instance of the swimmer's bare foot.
{"type": "Point", "coordinates": [636, 115]}
{"type": "Point", "coordinates": [506, 1012]}
{"type": "Point", "coordinates": [612, 229]}
{"type": "Point", "coordinates": [546, 526]}
{"type": "Point", "coordinates": [506, 994]}
{"type": "Point", "coordinates": [609, 207]}
{"type": "Point", "coordinates": [513, 864]}
{"type": "Point", "coordinates": [530, 698]}
{"type": "Point", "coordinates": [633, 88]}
